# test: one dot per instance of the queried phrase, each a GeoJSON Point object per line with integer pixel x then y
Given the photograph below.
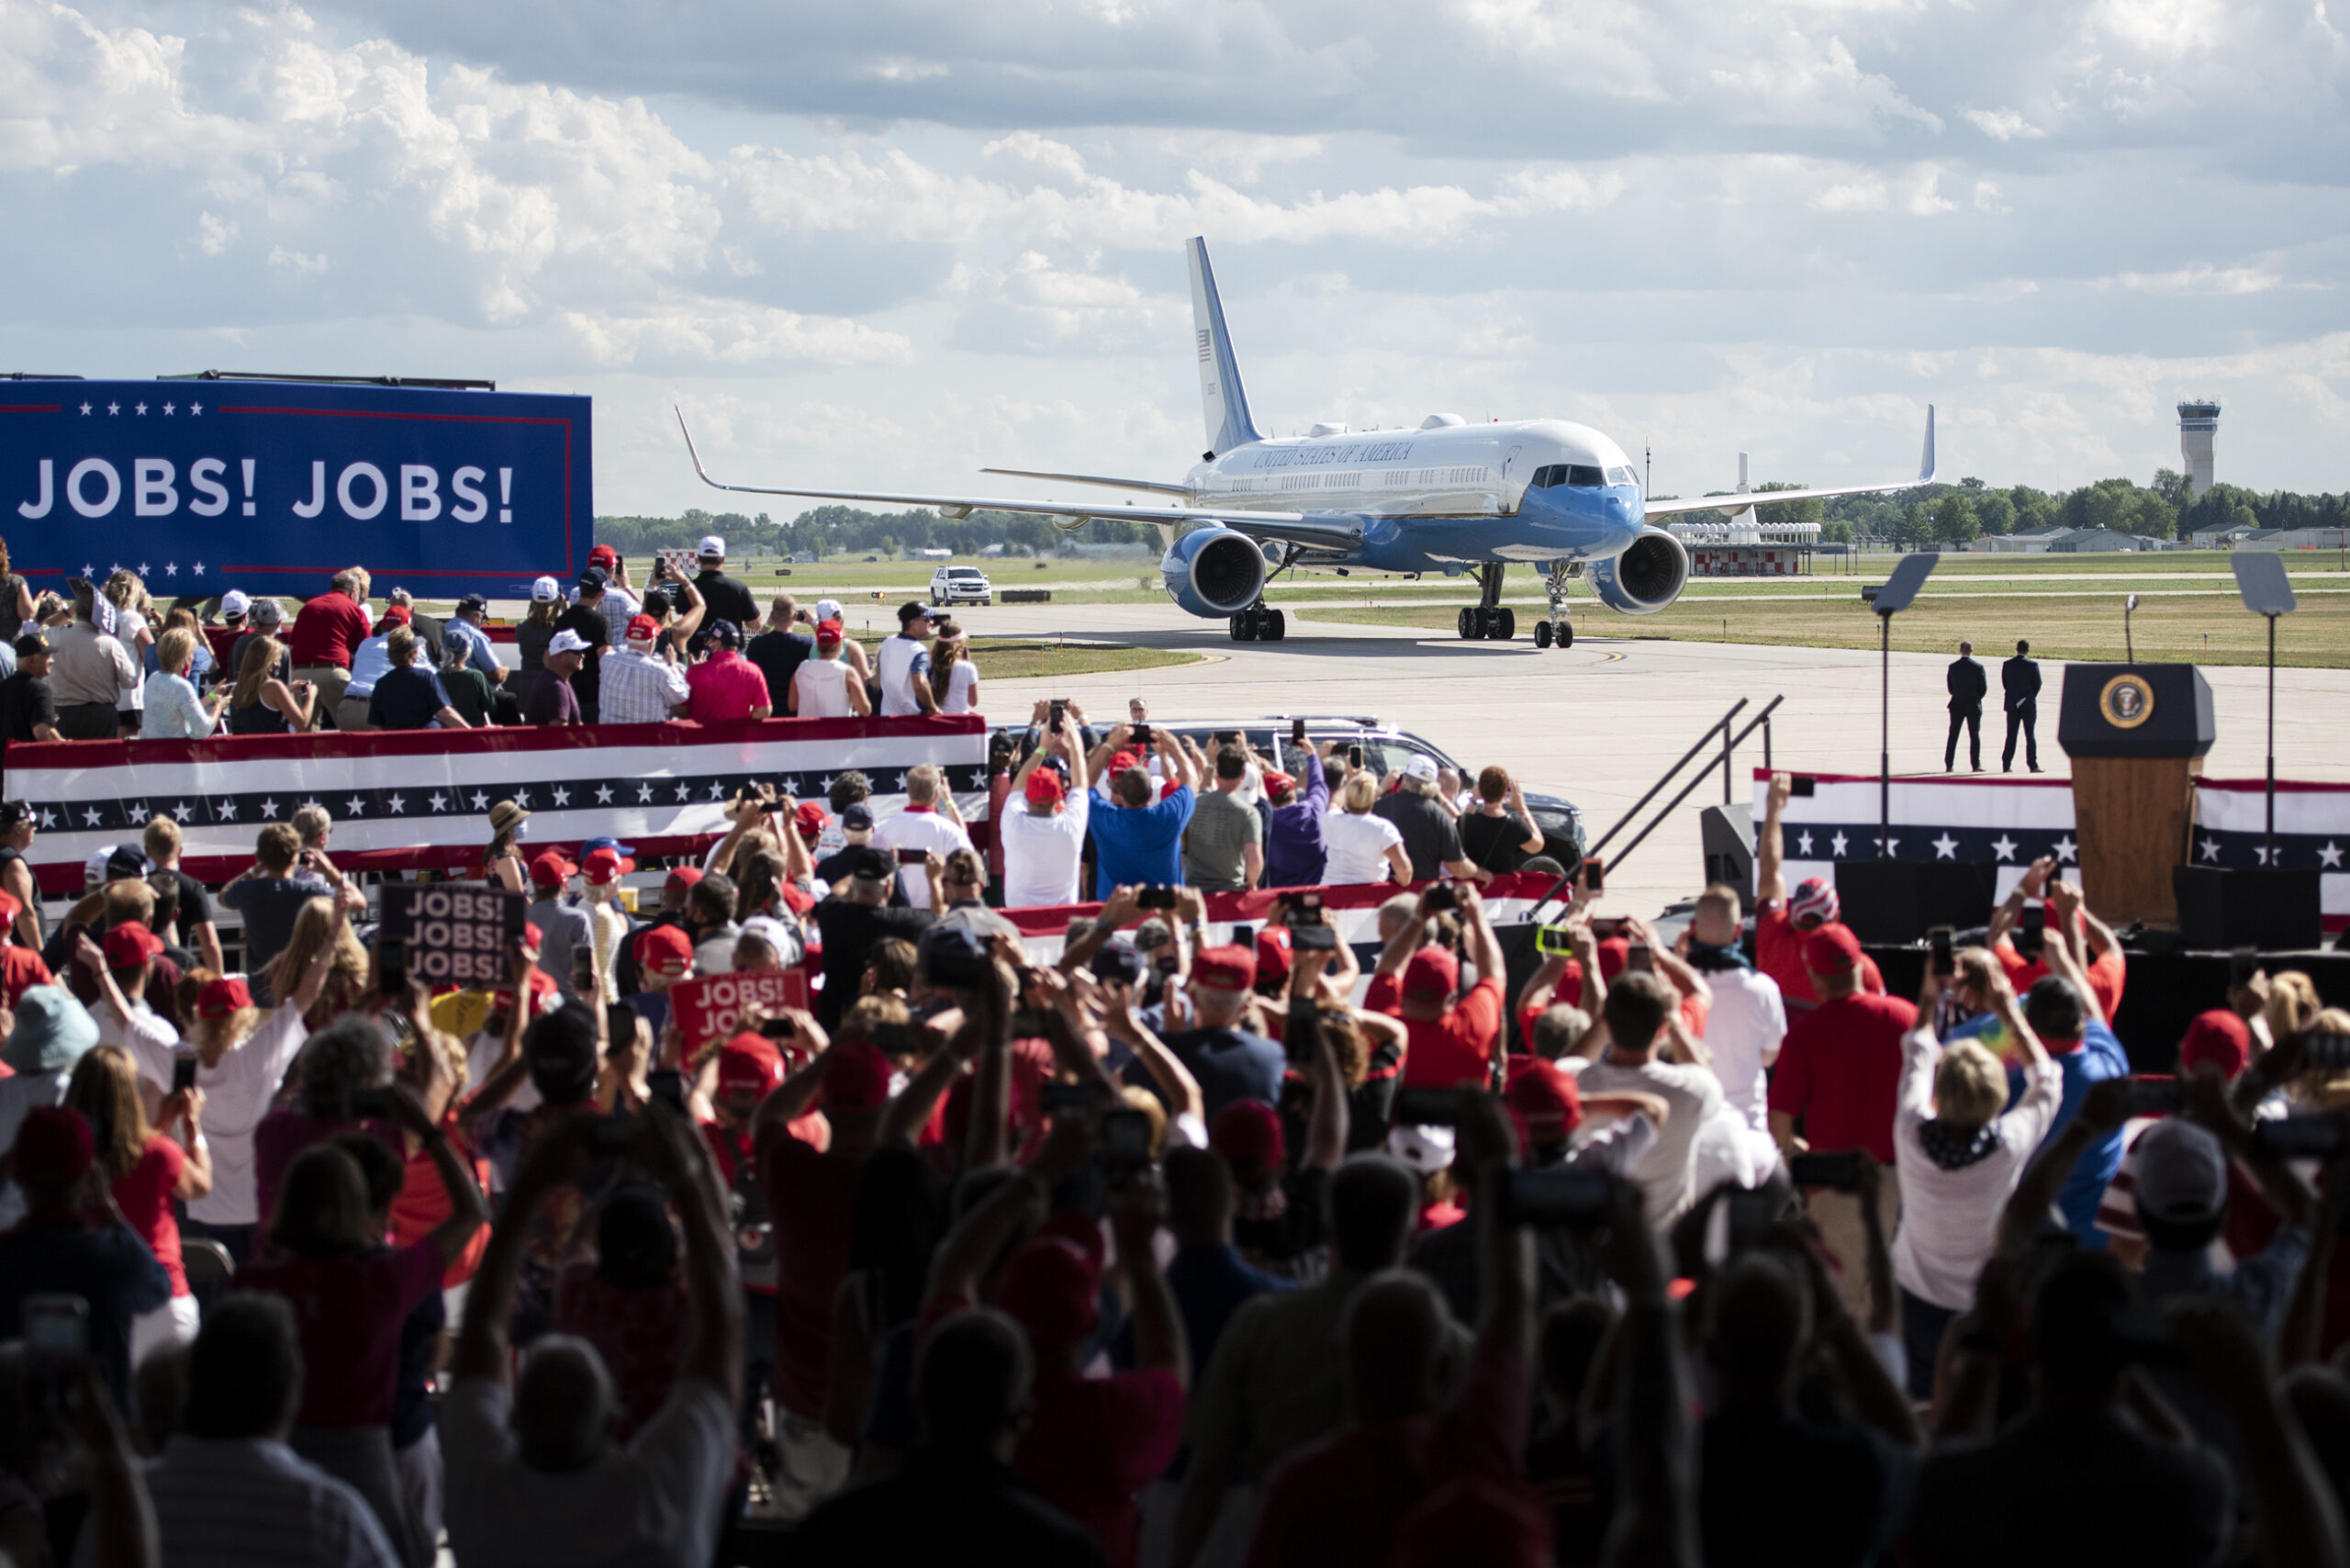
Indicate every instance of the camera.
{"type": "Point", "coordinates": [1440, 898]}
{"type": "Point", "coordinates": [1141, 734]}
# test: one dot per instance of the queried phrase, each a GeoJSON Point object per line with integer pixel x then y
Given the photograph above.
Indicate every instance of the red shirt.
{"type": "Point", "coordinates": [328, 630]}
{"type": "Point", "coordinates": [723, 688]}
{"type": "Point", "coordinates": [1443, 1053]}
{"type": "Point", "coordinates": [810, 1196]}
{"type": "Point", "coordinates": [1778, 952]}
{"type": "Point", "coordinates": [1094, 1442]}
{"type": "Point", "coordinates": [285, 1132]}
{"type": "Point", "coordinates": [424, 1204]}
{"type": "Point", "coordinates": [21, 968]}
{"type": "Point", "coordinates": [641, 1335]}
{"type": "Point", "coordinates": [1343, 1499]}
{"type": "Point", "coordinates": [1840, 1071]}
{"type": "Point", "coordinates": [351, 1310]}
{"type": "Point", "coordinates": [2106, 976]}
{"type": "Point", "coordinates": [145, 1199]}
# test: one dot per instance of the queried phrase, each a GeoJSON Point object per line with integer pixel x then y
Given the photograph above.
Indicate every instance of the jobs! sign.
{"type": "Point", "coordinates": [454, 935]}
{"type": "Point", "coordinates": [272, 487]}
{"type": "Point", "coordinates": [718, 1007]}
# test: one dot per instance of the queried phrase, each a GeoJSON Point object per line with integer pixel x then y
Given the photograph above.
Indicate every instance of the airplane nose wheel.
{"type": "Point", "coordinates": [1258, 624]}
{"type": "Point", "coordinates": [1542, 633]}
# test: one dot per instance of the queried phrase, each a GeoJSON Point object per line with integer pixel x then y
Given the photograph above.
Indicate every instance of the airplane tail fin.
{"type": "Point", "coordinates": [1926, 458]}
{"type": "Point", "coordinates": [1222, 397]}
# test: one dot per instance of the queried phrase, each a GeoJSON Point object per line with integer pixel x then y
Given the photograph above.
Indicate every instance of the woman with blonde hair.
{"type": "Point", "coordinates": [145, 1170]}
{"type": "Point", "coordinates": [259, 703]}
{"type": "Point", "coordinates": [320, 929]}
{"type": "Point", "coordinates": [133, 611]}
{"type": "Point", "coordinates": [1361, 846]}
{"type": "Point", "coordinates": [954, 678]}
{"type": "Point", "coordinates": [174, 710]}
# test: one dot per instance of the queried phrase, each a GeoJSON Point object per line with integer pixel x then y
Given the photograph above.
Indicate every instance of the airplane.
{"type": "Point", "coordinates": [1447, 496]}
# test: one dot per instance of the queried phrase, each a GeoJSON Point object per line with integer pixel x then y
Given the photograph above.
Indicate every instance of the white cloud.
{"type": "Point", "coordinates": [2004, 125]}
{"type": "Point", "coordinates": [2201, 280]}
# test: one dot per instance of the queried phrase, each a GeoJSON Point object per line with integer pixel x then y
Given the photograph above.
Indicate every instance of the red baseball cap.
{"type": "Point", "coordinates": [552, 870]}
{"type": "Point", "coordinates": [532, 938]}
{"type": "Point", "coordinates": [1045, 784]}
{"type": "Point", "coordinates": [603, 866]}
{"type": "Point", "coordinates": [10, 909]}
{"type": "Point", "coordinates": [1547, 1100]}
{"type": "Point", "coordinates": [131, 943]}
{"type": "Point", "coordinates": [683, 876]}
{"type": "Point", "coordinates": [1247, 1133]}
{"type": "Point", "coordinates": [1124, 760]}
{"type": "Point", "coordinates": [827, 632]}
{"type": "Point", "coordinates": [54, 1143]}
{"type": "Point", "coordinates": [1831, 950]}
{"type": "Point", "coordinates": [1615, 952]}
{"type": "Point", "coordinates": [1278, 782]}
{"type": "Point", "coordinates": [643, 629]}
{"type": "Point", "coordinates": [749, 1064]}
{"type": "Point", "coordinates": [1432, 971]}
{"type": "Point", "coordinates": [1050, 1288]}
{"type": "Point", "coordinates": [1224, 968]}
{"type": "Point", "coordinates": [857, 1077]}
{"type": "Point", "coordinates": [2219, 1037]}
{"type": "Point", "coordinates": [1273, 953]}
{"type": "Point", "coordinates": [603, 556]}
{"type": "Point", "coordinates": [666, 950]}
{"type": "Point", "coordinates": [810, 820]}
{"type": "Point", "coordinates": [223, 998]}
{"type": "Point", "coordinates": [399, 615]}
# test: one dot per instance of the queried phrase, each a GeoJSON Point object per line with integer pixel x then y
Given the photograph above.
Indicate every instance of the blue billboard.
{"type": "Point", "coordinates": [273, 486]}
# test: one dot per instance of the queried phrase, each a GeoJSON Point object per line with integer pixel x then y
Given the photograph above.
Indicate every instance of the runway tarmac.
{"type": "Point", "coordinates": [1598, 722]}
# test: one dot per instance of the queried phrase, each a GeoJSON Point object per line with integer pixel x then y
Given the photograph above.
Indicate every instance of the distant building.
{"type": "Point", "coordinates": [2199, 426]}
{"type": "Point", "coordinates": [2028, 541]}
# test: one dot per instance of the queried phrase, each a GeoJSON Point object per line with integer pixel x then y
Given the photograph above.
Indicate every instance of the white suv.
{"type": "Point", "coordinates": [960, 585]}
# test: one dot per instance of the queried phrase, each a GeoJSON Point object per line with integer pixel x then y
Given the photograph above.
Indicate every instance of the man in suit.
{"type": "Point", "coordinates": [2020, 683]}
{"type": "Point", "coordinates": [1968, 684]}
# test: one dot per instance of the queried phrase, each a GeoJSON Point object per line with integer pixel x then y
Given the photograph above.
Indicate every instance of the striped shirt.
{"type": "Point", "coordinates": [638, 688]}
{"type": "Point", "coordinates": [251, 1503]}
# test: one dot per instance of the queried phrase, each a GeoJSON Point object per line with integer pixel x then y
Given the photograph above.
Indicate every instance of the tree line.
{"type": "Point", "coordinates": [1960, 513]}
{"type": "Point", "coordinates": [830, 531]}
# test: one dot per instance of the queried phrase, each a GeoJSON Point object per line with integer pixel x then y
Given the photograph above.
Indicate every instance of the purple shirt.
{"type": "Point", "coordinates": [1293, 851]}
{"type": "Point", "coordinates": [552, 701]}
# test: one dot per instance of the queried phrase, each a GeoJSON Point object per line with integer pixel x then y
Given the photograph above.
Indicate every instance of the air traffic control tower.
{"type": "Point", "coordinates": [2199, 422]}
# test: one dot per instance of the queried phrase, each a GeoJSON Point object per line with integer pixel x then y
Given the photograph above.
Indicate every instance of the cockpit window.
{"type": "Point", "coordinates": [1621, 474]}
{"type": "Point", "coordinates": [1585, 474]}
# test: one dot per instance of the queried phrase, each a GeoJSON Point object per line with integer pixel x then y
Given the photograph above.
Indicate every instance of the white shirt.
{"type": "Point", "coordinates": [1744, 1029]}
{"type": "Point", "coordinates": [1041, 854]}
{"type": "Point", "coordinates": [251, 1503]}
{"type": "Point", "coordinates": [652, 1505]}
{"type": "Point", "coordinates": [1950, 1219]}
{"type": "Point", "coordinates": [1357, 846]}
{"type": "Point", "coordinates": [1666, 1174]}
{"type": "Point", "coordinates": [961, 681]}
{"type": "Point", "coordinates": [146, 1028]}
{"type": "Point", "coordinates": [820, 690]}
{"type": "Point", "coordinates": [901, 658]}
{"type": "Point", "coordinates": [909, 829]}
{"type": "Point", "coordinates": [237, 1094]}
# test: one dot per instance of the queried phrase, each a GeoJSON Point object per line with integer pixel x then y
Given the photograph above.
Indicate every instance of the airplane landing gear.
{"type": "Point", "coordinates": [1259, 624]}
{"type": "Point", "coordinates": [1558, 629]}
{"type": "Point", "coordinates": [1488, 619]}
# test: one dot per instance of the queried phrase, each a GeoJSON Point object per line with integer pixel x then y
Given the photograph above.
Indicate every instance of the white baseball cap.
{"type": "Point", "coordinates": [234, 602]}
{"type": "Point", "coordinates": [711, 548]}
{"type": "Point", "coordinates": [1423, 1150]}
{"type": "Point", "coordinates": [1421, 767]}
{"type": "Point", "coordinates": [828, 609]}
{"type": "Point", "coordinates": [566, 641]}
{"type": "Point", "coordinates": [545, 591]}
{"type": "Point", "coordinates": [2182, 1172]}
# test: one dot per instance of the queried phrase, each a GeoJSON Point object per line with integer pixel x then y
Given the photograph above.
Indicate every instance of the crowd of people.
{"type": "Point", "coordinates": [1171, 1250]}
{"type": "Point", "coordinates": [103, 662]}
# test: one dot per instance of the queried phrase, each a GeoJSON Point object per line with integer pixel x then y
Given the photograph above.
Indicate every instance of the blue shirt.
{"type": "Point", "coordinates": [2099, 1057]}
{"type": "Point", "coordinates": [1209, 1283]}
{"type": "Point", "coordinates": [172, 711]}
{"type": "Point", "coordinates": [1230, 1064]}
{"type": "Point", "coordinates": [1140, 846]}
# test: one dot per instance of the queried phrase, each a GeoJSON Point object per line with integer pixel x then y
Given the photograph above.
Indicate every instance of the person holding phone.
{"type": "Point", "coordinates": [1043, 839]}
{"type": "Point", "coordinates": [1452, 1039]}
{"type": "Point", "coordinates": [1961, 1151]}
{"type": "Point", "coordinates": [1139, 841]}
{"type": "Point", "coordinates": [928, 830]}
{"type": "Point", "coordinates": [1295, 851]}
{"type": "Point", "coordinates": [148, 1170]}
{"type": "Point", "coordinates": [1782, 922]}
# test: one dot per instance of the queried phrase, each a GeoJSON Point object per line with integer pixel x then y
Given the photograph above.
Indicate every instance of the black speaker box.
{"type": "Point", "coordinates": [2273, 909]}
{"type": "Point", "coordinates": [1900, 901]}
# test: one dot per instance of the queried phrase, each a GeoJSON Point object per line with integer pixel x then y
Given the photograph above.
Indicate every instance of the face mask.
{"type": "Point", "coordinates": [522, 830]}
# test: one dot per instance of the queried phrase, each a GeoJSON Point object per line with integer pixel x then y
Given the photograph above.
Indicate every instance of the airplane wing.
{"type": "Point", "coordinates": [1738, 501]}
{"type": "Point", "coordinates": [1327, 530]}
{"type": "Point", "coordinates": [1155, 485]}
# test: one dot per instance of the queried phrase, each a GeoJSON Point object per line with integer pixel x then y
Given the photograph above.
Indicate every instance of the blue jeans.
{"type": "Point", "coordinates": [1923, 1327]}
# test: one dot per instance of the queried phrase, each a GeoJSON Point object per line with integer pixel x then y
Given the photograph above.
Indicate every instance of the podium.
{"type": "Point", "coordinates": [2137, 736]}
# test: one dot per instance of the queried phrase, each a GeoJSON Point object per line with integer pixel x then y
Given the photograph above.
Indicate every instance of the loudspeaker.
{"type": "Point", "coordinates": [1726, 835]}
{"type": "Point", "coordinates": [1900, 901]}
{"type": "Point", "coordinates": [2270, 910]}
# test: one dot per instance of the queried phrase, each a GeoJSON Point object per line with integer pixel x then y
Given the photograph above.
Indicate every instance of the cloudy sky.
{"type": "Point", "coordinates": [887, 244]}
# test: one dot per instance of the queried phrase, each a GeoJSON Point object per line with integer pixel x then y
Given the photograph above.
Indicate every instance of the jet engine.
{"type": "Point", "coordinates": [1214, 572]}
{"type": "Point", "coordinates": [1644, 578]}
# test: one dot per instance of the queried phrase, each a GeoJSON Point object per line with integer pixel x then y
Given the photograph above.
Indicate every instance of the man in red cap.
{"type": "Point", "coordinates": [1044, 840]}
{"type": "Point", "coordinates": [662, 955]}
{"type": "Point", "coordinates": [1452, 1039]}
{"type": "Point", "coordinates": [642, 683]}
{"type": "Point", "coordinates": [1839, 1074]}
{"type": "Point", "coordinates": [1782, 923]}
{"type": "Point", "coordinates": [1230, 1062]}
{"type": "Point", "coordinates": [119, 977]}
{"type": "Point", "coordinates": [557, 912]}
{"type": "Point", "coordinates": [74, 1241]}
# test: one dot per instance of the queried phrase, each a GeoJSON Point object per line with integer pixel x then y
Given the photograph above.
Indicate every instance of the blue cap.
{"type": "Point", "coordinates": [725, 634]}
{"type": "Point", "coordinates": [53, 1032]}
{"type": "Point", "coordinates": [614, 844]}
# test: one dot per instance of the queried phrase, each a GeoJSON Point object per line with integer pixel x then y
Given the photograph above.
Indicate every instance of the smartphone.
{"type": "Point", "coordinates": [1141, 734]}
{"type": "Point", "coordinates": [1226, 737]}
{"type": "Point", "coordinates": [1059, 711]}
{"type": "Point", "coordinates": [1801, 787]}
{"type": "Point", "coordinates": [1638, 958]}
{"type": "Point", "coordinates": [1594, 876]}
{"type": "Point", "coordinates": [1244, 936]}
{"type": "Point", "coordinates": [1750, 1214]}
{"type": "Point", "coordinates": [2243, 963]}
{"type": "Point", "coordinates": [1838, 1171]}
{"type": "Point", "coordinates": [1302, 903]}
{"type": "Point", "coordinates": [1059, 1099]}
{"type": "Point", "coordinates": [1573, 1200]}
{"type": "Point", "coordinates": [1315, 939]}
{"type": "Point", "coordinates": [1155, 898]}
{"type": "Point", "coordinates": [1440, 898]}
{"type": "Point", "coordinates": [2153, 1096]}
{"type": "Point", "coordinates": [2329, 1053]}
{"type": "Point", "coordinates": [891, 1038]}
{"type": "Point", "coordinates": [56, 1325]}
{"type": "Point", "coordinates": [183, 1072]}
{"type": "Point", "coordinates": [2297, 1138]}
{"type": "Point", "coordinates": [1938, 942]}
{"type": "Point", "coordinates": [912, 856]}
{"type": "Point", "coordinates": [1608, 930]}
{"type": "Point", "coordinates": [583, 969]}
{"type": "Point", "coordinates": [2031, 937]}
{"type": "Point", "coordinates": [1297, 732]}
{"type": "Point", "coordinates": [1354, 756]}
{"type": "Point", "coordinates": [372, 1104]}
{"type": "Point", "coordinates": [668, 1086]}
{"type": "Point", "coordinates": [1554, 941]}
{"type": "Point", "coordinates": [1426, 1107]}
{"type": "Point", "coordinates": [1125, 1136]}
